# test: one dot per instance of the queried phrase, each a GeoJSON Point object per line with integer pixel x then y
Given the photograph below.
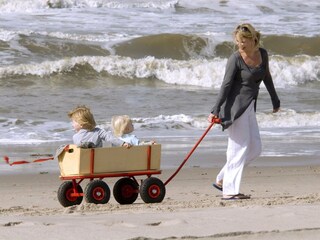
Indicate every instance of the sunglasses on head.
{"type": "Point", "coordinates": [243, 29]}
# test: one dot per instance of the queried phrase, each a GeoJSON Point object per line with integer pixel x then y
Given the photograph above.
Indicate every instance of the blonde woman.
{"type": "Point", "coordinates": [123, 128]}
{"type": "Point", "coordinates": [87, 134]}
{"type": "Point", "coordinates": [236, 104]}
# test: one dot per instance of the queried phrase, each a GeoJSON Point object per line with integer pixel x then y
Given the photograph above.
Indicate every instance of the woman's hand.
{"type": "Point", "coordinates": [211, 117]}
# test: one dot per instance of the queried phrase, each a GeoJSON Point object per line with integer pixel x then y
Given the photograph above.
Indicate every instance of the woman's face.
{"type": "Point", "coordinates": [244, 44]}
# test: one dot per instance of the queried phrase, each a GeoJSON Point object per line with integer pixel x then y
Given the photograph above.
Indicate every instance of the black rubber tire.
{"type": "Point", "coordinates": [126, 191]}
{"type": "Point", "coordinates": [64, 197]}
{"type": "Point", "coordinates": [97, 191]}
{"type": "Point", "coordinates": [152, 190]}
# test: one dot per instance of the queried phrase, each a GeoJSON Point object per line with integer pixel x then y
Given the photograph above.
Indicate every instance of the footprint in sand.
{"type": "Point", "coordinates": [168, 223]}
{"type": "Point", "coordinates": [121, 224]}
{"type": "Point", "coordinates": [10, 224]}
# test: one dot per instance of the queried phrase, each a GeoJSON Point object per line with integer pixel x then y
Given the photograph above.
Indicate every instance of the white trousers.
{"type": "Point", "coordinates": [244, 145]}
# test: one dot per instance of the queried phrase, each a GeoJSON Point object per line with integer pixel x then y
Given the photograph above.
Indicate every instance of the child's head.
{"type": "Point", "coordinates": [82, 117]}
{"type": "Point", "coordinates": [121, 125]}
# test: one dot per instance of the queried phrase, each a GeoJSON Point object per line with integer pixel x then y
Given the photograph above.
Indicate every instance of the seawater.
{"type": "Point", "coordinates": [161, 62]}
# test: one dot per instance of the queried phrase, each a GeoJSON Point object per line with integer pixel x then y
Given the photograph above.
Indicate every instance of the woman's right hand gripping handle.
{"type": "Point", "coordinates": [213, 118]}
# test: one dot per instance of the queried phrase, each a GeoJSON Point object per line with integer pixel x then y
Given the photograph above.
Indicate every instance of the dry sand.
{"type": "Point", "coordinates": [285, 204]}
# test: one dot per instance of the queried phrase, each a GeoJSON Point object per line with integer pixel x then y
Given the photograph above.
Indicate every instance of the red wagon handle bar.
{"type": "Point", "coordinates": [215, 120]}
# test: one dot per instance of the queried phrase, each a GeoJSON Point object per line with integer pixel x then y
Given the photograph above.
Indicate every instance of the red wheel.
{"type": "Point", "coordinates": [65, 192]}
{"type": "Point", "coordinates": [125, 191]}
{"type": "Point", "coordinates": [152, 190]}
{"type": "Point", "coordinates": [97, 192]}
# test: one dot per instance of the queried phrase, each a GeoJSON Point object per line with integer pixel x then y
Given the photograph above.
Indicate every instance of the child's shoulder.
{"type": "Point", "coordinates": [98, 129]}
{"type": "Point", "coordinates": [128, 135]}
{"type": "Point", "coordinates": [102, 131]}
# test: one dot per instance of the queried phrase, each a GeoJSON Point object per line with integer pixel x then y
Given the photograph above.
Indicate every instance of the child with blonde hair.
{"type": "Point", "coordinates": [87, 134]}
{"type": "Point", "coordinates": [123, 128]}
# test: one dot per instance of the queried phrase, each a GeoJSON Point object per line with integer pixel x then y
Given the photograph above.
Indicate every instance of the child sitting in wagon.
{"type": "Point", "coordinates": [87, 134]}
{"type": "Point", "coordinates": [123, 128]}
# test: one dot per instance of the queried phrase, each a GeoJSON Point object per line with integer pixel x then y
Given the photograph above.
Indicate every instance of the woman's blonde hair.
{"type": "Point", "coordinates": [119, 124]}
{"type": "Point", "coordinates": [83, 116]}
{"type": "Point", "coordinates": [246, 30]}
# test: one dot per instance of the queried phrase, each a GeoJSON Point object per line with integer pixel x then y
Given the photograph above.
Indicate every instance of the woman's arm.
{"type": "Point", "coordinates": [268, 82]}
{"type": "Point", "coordinates": [230, 72]}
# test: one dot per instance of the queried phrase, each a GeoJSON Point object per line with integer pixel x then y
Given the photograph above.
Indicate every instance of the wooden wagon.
{"type": "Point", "coordinates": [95, 164]}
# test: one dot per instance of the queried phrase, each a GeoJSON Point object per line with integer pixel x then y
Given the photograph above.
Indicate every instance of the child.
{"type": "Point", "coordinates": [87, 134]}
{"type": "Point", "coordinates": [123, 128]}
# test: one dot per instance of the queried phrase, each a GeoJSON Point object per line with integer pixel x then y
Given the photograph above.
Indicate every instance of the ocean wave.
{"type": "Point", "coordinates": [286, 118]}
{"type": "Point", "coordinates": [291, 71]}
{"type": "Point", "coordinates": [284, 45]}
{"type": "Point", "coordinates": [265, 7]}
{"type": "Point", "coordinates": [184, 47]}
{"type": "Point", "coordinates": [26, 46]}
{"type": "Point", "coordinates": [48, 39]}
{"type": "Point", "coordinates": [33, 5]}
{"type": "Point", "coordinates": [24, 131]}
{"type": "Point", "coordinates": [39, 47]}
{"type": "Point", "coordinates": [52, 45]}
{"type": "Point", "coordinates": [286, 71]}
{"type": "Point", "coordinates": [174, 46]}
{"type": "Point", "coordinates": [15, 131]}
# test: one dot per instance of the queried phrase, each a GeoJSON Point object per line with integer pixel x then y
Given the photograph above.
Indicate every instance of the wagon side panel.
{"type": "Point", "coordinates": [155, 156]}
{"type": "Point", "coordinates": [119, 159]}
{"type": "Point", "coordinates": [74, 161]}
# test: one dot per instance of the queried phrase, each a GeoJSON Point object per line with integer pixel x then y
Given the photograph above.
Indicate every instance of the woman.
{"type": "Point", "coordinates": [236, 105]}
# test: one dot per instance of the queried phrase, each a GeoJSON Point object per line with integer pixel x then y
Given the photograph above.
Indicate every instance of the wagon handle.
{"type": "Point", "coordinates": [214, 121]}
{"type": "Point", "coordinates": [6, 159]}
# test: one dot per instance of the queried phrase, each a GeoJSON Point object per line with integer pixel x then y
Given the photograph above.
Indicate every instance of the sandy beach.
{"type": "Point", "coordinates": [285, 204]}
{"type": "Point", "coordinates": [162, 62]}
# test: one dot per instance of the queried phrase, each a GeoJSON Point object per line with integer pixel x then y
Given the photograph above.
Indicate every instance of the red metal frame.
{"type": "Point", "coordinates": [75, 189]}
{"type": "Point", "coordinates": [106, 175]}
{"type": "Point", "coordinates": [149, 158]}
{"type": "Point", "coordinates": [92, 161]}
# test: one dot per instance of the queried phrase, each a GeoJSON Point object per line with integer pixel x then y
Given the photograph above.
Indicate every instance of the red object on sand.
{"type": "Point", "coordinates": [6, 159]}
